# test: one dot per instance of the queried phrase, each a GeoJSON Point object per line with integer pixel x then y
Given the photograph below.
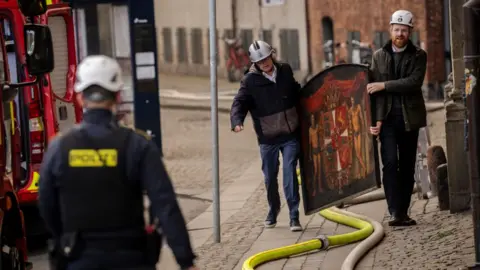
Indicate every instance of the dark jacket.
{"type": "Point", "coordinates": [409, 86]}
{"type": "Point", "coordinates": [271, 105]}
{"type": "Point", "coordinates": [144, 168]}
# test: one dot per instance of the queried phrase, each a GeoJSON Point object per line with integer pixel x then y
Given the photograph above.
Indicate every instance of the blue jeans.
{"type": "Point", "coordinates": [270, 168]}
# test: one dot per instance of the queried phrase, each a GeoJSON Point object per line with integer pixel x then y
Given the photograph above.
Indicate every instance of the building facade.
{"type": "Point", "coordinates": [368, 21]}
{"type": "Point", "coordinates": [183, 32]}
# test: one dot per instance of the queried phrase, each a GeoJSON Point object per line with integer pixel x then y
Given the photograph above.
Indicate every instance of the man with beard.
{"type": "Point", "coordinates": [270, 93]}
{"type": "Point", "coordinates": [398, 72]}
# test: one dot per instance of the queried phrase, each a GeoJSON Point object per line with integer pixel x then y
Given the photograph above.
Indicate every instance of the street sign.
{"type": "Point", "coordinates": [338, 158]}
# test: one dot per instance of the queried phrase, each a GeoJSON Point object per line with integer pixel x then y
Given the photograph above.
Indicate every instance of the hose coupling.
{"type": "Point", "coordinates": [324, 240]}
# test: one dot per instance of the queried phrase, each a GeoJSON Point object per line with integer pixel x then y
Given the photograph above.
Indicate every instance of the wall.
{"type": "Point", "coordinates": [173, 14]}
{"type": "Point", "coordinates": [368, 16]}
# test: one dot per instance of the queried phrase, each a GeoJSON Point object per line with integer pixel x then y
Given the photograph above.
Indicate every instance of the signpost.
{"type": "Point", "coordinates": [214, 116]}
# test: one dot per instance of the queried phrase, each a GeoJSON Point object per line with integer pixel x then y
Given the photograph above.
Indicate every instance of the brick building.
{"type": "Point", "coordinates": [368, 21]}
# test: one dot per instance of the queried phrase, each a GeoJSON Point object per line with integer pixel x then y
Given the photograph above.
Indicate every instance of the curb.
{"type": "Point", "coordinates": [199, 107]}
{"type": "Point", "coordinates": [435, 108]}
{"type": "Point", "coordinates": [193, 108]}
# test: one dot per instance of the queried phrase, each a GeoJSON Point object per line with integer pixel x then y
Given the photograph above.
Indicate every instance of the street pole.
{"type": "Point", "coordinates": [472, 64]}
{"type": "Point", "coordinates": [214, 116]}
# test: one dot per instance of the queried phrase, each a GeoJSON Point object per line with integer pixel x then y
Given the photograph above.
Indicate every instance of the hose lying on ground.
{"type": "Point", "coordinates": [365, 229]}
{"type": "Point", "coordinates": [361, 249]}
{"type": "Point", "coordinates": [368, 229]}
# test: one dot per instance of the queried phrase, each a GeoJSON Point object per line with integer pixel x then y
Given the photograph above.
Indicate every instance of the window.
{"type": "Point", "coordinates": [353, 47]}
{"type": "Point", "coordinates": [328, 41]}
{"type": "Point", "coordinates": [228, 33]}
{"type": "Point", "coordinates": [246, 35]}
{"type": "Point", "coordinates": [80, 33]}
{"type": "Point", "coordinates": [268, 36]}
{"type": "Point", "coordinates": [415, 38]}
{"type": "Point", "coordinates": [381, 38]}
{"type": "Point", "coordinates": [289, 47]}
{"type": "Point", "coordinates": [121, 31]}
{"type": "Point", "coordinates": [167, 45]}
{"type": "Point", "coordinates": [182, 52]}
{"type": "Point", "coordinates": [196, 46]}
{"type": "Point", "coordinates": [92, 36]}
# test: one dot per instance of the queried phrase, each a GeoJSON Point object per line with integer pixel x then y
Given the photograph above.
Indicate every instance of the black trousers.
{"type": "Point", "coordinates": [93, 259]}
{"type": "Point", "coordinates": [399, 154]}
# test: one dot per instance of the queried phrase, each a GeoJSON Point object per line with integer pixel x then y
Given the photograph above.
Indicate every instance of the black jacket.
{"type": "Point", "coordinates": [409, 86]}
{"type": "Point", "coordinates": [271, 105]}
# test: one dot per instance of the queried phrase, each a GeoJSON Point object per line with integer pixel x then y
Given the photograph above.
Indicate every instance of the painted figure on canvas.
{"type": "Point", "coordinates": [357, 122]}
{"type": "Point", "coordinates": [315, 154]}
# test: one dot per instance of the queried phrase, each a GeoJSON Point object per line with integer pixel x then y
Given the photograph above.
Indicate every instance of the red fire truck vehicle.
{"type": "Point", "coordinates": [39, 111]}
{"type": "Point", "coordinates": [32, 60]}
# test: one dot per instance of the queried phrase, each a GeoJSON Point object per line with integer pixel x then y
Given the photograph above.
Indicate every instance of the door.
{"type": "Point", "coordinates": [64, 106]}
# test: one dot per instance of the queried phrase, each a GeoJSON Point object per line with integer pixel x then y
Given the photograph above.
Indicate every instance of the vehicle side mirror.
{"type": "Point", "coordinates": [32, 7]}
{"type": "Point", "coordinates": [38, 49]}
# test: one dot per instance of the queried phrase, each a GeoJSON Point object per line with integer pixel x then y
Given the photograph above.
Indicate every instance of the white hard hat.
{"type": "Point", "coordinates": [403, 17]}
{"type": "Point", "coordinates": [259, 50]}
{"type": "Point", "coordinates": [99, 70]}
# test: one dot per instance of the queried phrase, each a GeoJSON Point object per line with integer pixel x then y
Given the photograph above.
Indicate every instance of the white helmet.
{"type": "Point", "coordinates": [403, 17]}
{"type": "Point", "coordinates": [99, 70]}
{"type": "Point", "coordinates": [259, 50]}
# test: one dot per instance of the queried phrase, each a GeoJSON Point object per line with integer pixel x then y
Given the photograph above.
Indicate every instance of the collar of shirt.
{"type": "Point", "coordinates": [272, 77]}
{"type": "Point", "coordinates": [395, 49]}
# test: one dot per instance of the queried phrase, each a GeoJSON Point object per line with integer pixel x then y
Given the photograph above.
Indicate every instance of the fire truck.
{"type": "Point", "coordinates": [20, 75]}
{"type": "Point", "coordinates": [42, 110]}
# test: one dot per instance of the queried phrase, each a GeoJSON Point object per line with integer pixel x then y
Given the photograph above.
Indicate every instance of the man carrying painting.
{"type": "Point", "coordinates": [398, 72]}
{"type": "Point", "coordinates": [270, 93]}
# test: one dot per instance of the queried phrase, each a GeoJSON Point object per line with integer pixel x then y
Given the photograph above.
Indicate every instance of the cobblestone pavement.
{"type": "Point", "coordinates": [440, 241]}
{"type": "Point", "coordinates": [238, 235]}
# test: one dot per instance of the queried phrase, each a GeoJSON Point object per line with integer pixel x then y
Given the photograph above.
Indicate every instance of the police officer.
{"type": "Point", "coordinates": [92, 183]}
{"type": "Point", "coordinates": [398, 71]}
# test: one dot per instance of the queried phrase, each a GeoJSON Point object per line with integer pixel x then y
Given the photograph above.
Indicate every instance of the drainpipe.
{"type": "Point", "coordinates": [307, 29]}
{"type": "Point", "coordinates": [234, 18]}
{"type": "Point", "coordinates": [260, 18]}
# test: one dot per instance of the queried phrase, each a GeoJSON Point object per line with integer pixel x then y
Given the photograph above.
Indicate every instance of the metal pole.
{"type": "Point", "coordinates": [214, 116]}
{"type": "Point", "coordinates": [472, 63]}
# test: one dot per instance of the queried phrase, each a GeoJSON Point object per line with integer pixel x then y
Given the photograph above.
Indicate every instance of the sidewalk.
{"type": "Point", "coordinates": [236, 200]}
{"type": "Point", "coordinates": [243, 208]}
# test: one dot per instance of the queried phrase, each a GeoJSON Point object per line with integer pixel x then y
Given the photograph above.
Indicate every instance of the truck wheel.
{"type": "Point", "coordinates": [12, 258]}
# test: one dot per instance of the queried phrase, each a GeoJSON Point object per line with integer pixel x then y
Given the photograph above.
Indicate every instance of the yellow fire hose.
{"type": "Point", "coordinates": [365, 226]}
